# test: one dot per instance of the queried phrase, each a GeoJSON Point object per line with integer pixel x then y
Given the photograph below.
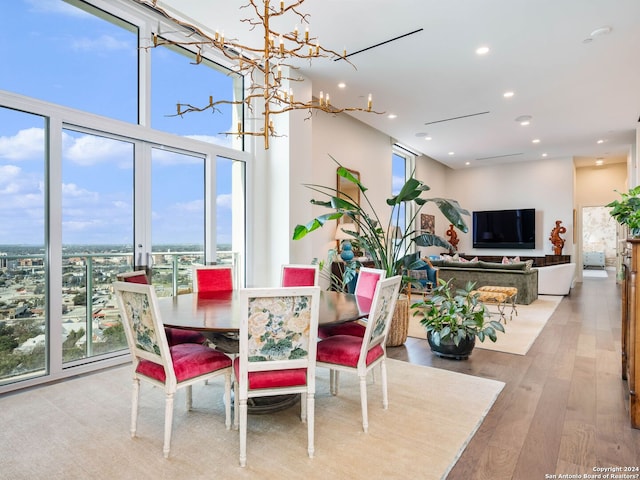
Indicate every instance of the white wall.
{"type": "Point", "coordinates": [546, 185]}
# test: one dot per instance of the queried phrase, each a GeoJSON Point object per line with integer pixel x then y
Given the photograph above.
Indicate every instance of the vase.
{"type": "Point", "coordinates": [448, 349]}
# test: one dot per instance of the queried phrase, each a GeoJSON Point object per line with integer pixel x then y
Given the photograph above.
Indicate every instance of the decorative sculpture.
{"type": "Point", "coordinates": [556, 240]}
{"type": "Point", "coordinates": [453, 237]}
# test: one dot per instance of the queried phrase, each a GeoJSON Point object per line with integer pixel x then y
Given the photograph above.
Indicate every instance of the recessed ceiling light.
{"type": "Point", "coordinates": [427, 138]}
{"type": "Point", "coordinates": [599, 161]}
{"type": "Point", "coordinates": [544, 154]}
{"type": "Point", "coordinates": [482, 50]}
{"type": "Point", "coordinates": [535, 140]}
{"type": "Point", "coordinates": [600, 141]}
{"type": "Point", "coordinates": [342, 85]}
{"type": "Point", "coordinates": [452, 153]}
{"type": "Point", "coordinates": [524, 119]}
{"type": "Point", "coordinates": [392, 116]}
{"type": "Point", "coordinates": [508, 94]}
{"type": "Point", "coordinates": [467, 163]}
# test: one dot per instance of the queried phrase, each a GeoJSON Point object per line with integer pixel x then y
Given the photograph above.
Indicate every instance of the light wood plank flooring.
{"type": "Point", "coordinates": [564, 409]}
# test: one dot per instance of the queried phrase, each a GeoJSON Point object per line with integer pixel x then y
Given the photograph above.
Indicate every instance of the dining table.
{"type": "Point", "coordinates": [217, 315]}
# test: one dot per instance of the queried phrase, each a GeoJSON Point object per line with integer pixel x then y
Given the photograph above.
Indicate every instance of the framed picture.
{"type": "Point", "coordinates": [427, 223]}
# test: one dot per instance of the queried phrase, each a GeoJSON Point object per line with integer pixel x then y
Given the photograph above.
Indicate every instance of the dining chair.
{"type": "Point", "coordinates": [360, 355]}
{"type": "Point", "coordinates": [174, 335]}
{"type": "Point", "coordinates": [278, 338]}
{"type": "Point", "coordinates": [212, 278]}
{"type": "Point", "coordinates": [164, 366]}
{"type": "Point", "coordinates": [300, 275]}
{"type": "Point", "coordinates": [366, 284]}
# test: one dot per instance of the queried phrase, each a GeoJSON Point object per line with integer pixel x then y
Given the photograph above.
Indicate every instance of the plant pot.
{"type": "Point", "coordinates": [399, 328]}
{"type": "Point", "coordinates": [448, 349]}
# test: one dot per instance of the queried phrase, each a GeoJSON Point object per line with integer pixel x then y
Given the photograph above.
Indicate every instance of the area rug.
{"type": "Point", "coordinates": [520, 332]}
{"type": "Point", "coordinates": [594, 273]}
{"type": "Point", "coordinates": [80, 429]}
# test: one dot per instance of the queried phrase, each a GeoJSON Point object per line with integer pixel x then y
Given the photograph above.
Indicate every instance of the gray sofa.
{"type": "Point", "coordinates": [519, 275]}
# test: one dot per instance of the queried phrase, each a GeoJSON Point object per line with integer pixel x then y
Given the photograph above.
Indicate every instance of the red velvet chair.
{"type": "Point", "coordinates": [300, 275]}
{"type": "Point", "coordinates": [164, 366]}
{"type": "Point", "coordinates": [278, 339]}
{"type": "Point", "coordinates": [175, 336]}
{"type": "Point", "coordinates": [360, 355]}
{"type": "Point", "coordinates": [366, 284]}
{"type": "Point", "coordinates": [212, 278]}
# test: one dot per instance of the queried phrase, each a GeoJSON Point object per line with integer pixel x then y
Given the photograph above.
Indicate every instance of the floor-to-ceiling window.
{"type": "Point", "coordinates": [94, 181]}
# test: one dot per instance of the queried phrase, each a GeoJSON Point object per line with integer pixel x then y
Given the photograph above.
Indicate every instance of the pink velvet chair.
{"type": "Point", "coordinates": [366, 284]}
{"type": "Point", "coordinates": [278, 339]}
{"type": "Point", "coordinates": [164, 366]}
{"type": "Point", "coordinates": [213, 278]}
{"type": "Point", "coordinates": [360, 355]}
{"type": "Point", "coordinates": [300, 275]}
{"type": "Point", "coordinates": [174, 335]}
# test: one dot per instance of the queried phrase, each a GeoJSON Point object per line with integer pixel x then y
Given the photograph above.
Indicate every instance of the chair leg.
{"type": "Point", "coordinates": [134, 406]}
{"type": "Point", "coordinates": [168, 421]}
{"type": "Point", "coordinates": [363, 402]}
{"type": "Point", "coordinates": [303, 407]}
{"type": "Point", "coordinates": [385, 394]}
{"type": "Point", "coordinates": [235, 404]}
{"type": "Point", "coordinates": [243, 432]}
{"type": "Point", "coordinates": [189, 398]}
{"type": "Point", "coordinates": [227, 400]}
{"type": "Point", "coordinates": [310, 423]}
{"type": "Point", "coordinates": [334, 377]}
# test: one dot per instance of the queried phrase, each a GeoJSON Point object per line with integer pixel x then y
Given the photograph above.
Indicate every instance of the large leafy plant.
{"type": "Point", "coordinates": [452, 316]}
{"type": "Point", "coordinates": [387, 247]}
{"type": "Point", "coordinates": [626, 211]}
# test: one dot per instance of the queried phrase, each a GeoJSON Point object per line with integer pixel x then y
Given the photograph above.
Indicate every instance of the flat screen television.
{"type": "Point", "coordinates": [505, 229]}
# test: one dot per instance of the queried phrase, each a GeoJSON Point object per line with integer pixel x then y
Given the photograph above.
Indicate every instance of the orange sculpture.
{"type": "Point", "coordinates": [453, 237]}
{"type": "Point", "coordinates": [556, 240]}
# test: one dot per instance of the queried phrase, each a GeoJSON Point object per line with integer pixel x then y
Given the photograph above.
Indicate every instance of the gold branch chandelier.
{"type": "Point", "coordinates": [263, 64]}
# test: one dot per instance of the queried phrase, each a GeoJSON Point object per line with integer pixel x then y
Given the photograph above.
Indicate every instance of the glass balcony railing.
{"type": "Point", "coordinates": [90, 322]}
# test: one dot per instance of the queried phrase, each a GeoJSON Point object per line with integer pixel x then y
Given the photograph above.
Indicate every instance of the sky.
{"type": "Point", "coordinates": [61, 51]}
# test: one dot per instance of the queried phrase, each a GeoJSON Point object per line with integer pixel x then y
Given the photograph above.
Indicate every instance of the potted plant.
{"type": "Point", "coordinates": [626, 211]}
{"type": "Point", "coordinates": [389, 248]}
{"type": "Point", "coordinates": [454, 319]}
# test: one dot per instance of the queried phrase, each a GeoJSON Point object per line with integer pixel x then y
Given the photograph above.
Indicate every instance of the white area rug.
{"type": "Point", "coordinates": [594, 273]}
{"type": "Point", "coordinates": [520, 332]}
{"type": "Point", "coordinates": [79, 429]}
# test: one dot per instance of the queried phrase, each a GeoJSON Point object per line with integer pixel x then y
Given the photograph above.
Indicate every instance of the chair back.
{"type": "Point", "coordinates": [278, 331]}
{"type": "Point", "coordinates": [137, 276]}
{"type": "Point", "coordinates": [368, 279]}
{"type": "Point", "coordinates": [300, 275]}
{"type": "Point", "coordinates": [380, 316]}
{"type": "Point", "coordinates": [144, 330]}
{"type": "Point", "coordinates": [212, 278]}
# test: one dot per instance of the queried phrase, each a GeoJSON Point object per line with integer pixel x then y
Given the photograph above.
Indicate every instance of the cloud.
{"type": "Point", "coordinates": [165, 157]}
{"type": "Point", "coordinates": [397, 183]}
{"type": "Point", "coordinates": [224, 200]}
{"type": "Point", "coordinates": [27, 144]}
{"type": "Point", "coordinates": [87, 150]}
{"type": "Point", "coordinates": [56, 6]}
{"type": "Point", "coordinates": [102, 43]}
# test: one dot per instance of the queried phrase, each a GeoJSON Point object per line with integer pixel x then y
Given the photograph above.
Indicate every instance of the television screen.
{"type": "Point", "coordinates": [505, 229]}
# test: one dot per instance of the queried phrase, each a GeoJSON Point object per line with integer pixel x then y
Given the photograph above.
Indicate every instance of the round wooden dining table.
{"type": "Point", "coordinates": [217, 315]}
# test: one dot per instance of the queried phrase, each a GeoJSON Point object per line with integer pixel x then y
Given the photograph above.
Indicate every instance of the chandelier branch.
{"type": "Point", "coordinates": [261, 64]}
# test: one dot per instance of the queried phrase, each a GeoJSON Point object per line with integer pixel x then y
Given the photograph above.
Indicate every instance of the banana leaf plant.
{"type": "Point", "coordinates": [389, 248]}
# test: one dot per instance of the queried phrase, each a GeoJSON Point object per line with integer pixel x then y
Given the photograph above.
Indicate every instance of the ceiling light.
{"type": "Point", "coordinates": [482, 50]}
{"type": "Point", "coordinates": [524, 119]}
{"type": "Point", "coordinates": [452, 153]}
{"type": "Point", "coordinates": [535, 140]}
{"type": "Point", "coordinates": [392, 116]}
{"type": "Point", "coordinates": [544, 154]}
{"type": "Point", "coordinates": [600, 141]}
{"type": "Point", "coordinates": [467, 163]}
{"type": "Point", "coordinates": [508, 94]}
{"type": "Point", "coordinates": [427, 138]}
{"type": "Point", "coordinates": [600, 31]}
{"type": "Point", "coordinates": [599, 161]}
{"type": "Point", "coordinates": [342, 85]}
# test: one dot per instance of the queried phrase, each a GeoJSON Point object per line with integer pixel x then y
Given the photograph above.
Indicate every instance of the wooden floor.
{"type": "Point", "coordinates": [564, 409]}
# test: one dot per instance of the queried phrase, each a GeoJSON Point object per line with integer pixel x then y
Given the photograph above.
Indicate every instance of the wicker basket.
{"type": "Point", "coordinates": [400, 323]}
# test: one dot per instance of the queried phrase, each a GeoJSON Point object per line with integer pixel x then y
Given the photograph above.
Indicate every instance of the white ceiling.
{"type": "Point", "coordinates": [578, 88]}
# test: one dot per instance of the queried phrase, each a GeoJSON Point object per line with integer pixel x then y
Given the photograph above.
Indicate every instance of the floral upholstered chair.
{"type": "Point", "coordinates": [300, 275]}
{"type": "Point", "coordinates": [360, 355]}
{"type": "Point", "coordinates": [278, 337]}
{"type": "Point", "coordinates": [174, 335]}
{"type": "Point", "coordinates": [366, 284]}
{"type": "Point", "coordinates": [154, 361]}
